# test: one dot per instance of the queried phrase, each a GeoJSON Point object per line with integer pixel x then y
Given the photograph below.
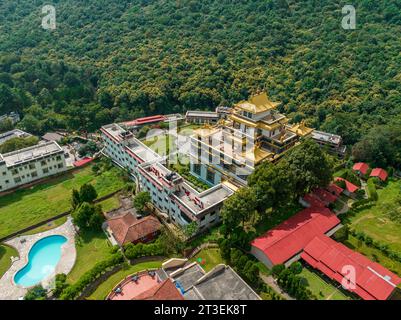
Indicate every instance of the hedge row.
{"type": "Point", "coordinates": [382, 247]}
{"type": "Point", "coordinates": [73, 291]}
{"type": "Point", "coordinates": [134, 251]}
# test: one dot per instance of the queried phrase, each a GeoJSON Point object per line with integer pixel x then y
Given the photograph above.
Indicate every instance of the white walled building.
{"type": "Point", "coordinates": [170, 193]}
{"type": "Point", "coordinates": [29, 164]}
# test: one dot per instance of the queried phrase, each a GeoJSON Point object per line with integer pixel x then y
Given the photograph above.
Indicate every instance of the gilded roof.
{"type": "Point", "coordinates": [257, 104]}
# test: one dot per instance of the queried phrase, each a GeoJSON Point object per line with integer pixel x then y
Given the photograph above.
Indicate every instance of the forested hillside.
{"type": "Point", "coordinates": [118, 59]}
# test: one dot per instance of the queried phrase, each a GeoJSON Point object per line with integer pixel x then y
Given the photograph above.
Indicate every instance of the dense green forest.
{"type": "Point", "coordinates": [118, 59]}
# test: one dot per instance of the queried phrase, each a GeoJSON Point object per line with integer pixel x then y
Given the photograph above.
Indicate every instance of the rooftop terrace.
{"type": "Point", "coordinates": [31, 153]}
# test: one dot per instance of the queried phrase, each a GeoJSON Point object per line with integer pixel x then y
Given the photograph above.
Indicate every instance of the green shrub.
{"type": "Point", "coordinates": [73, 291]}
{"type": "Point", "coordinates": [134, 251]}
{"type": "Point", "coordinates": [372, 192]}
{"type": "Point", "coordinates": [36, 293]}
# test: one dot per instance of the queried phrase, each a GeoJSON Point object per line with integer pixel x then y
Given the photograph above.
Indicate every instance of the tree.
{"type": "Point", "coordinates": [75, 199]}
{"type": "Point", "coordinates": [87, 193]}
{"type": "Point", "coordinates": [191, 229]}
{"type": "Point", "coordinates": [60, 284]}
{"type": "Point", "coordinates": [309, 167]}
{"type": "Point", "coordinates": [141, 202]}
{"type": "Point", "coordinates": [225, 249]}
{"type": "Point", "coordinates": [88, 216]}
{"type": "Point", "coordinates": [238, 208]}
{"type": "Point", "coordinates": [36, 293]}
{"type": "Point", "coordinates": [6, 125]}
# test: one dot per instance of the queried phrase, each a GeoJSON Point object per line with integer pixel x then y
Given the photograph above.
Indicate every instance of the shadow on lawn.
{"type": "Point", "coordinates": [2, 251]}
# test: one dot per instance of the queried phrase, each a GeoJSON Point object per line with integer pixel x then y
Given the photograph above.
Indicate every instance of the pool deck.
{"type": "Point", "coordinates": [8, 289]}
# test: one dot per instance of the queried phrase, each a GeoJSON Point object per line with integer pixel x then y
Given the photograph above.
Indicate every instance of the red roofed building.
{"type": "Point", "coordinates": [371, 280]}
{"type": "Point", "coordinates": [287, 240]}
{"type": "Point", "coordinates": [166, 290]}
{"type": "Point", "coordinates": [145, 121]}
{"type": "Point", "coordinates": [349, 187]}
{"type": "Point", "coordinates": [335, 189]}
{"type": "Point", "coordinates": [83, 162]}
{"type": "Point", "coordinates": [379, 173]}
{"type": "Point", "coordinates": [325, 196]}
{"type": "Point", "coordinates": [127, 228]}
{"type": "Point", "coordinates": [361, 167]}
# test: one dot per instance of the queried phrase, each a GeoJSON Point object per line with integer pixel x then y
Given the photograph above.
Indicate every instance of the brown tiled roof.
{"type": "Point", "coordinates": [129, 229]}
{"type": "Point", "coordinates": [163, 291]}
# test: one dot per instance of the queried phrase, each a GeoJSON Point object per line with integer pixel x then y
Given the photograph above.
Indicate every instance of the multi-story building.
{"type": "Point", "coordinates": [170, 193]}
{"type": "Point", "coordinates": [29, 164]}
{"type": "Point", "coordinates": [333, 143]}
{"type": "Point", "coordinates": [16, 133]}
{"type": "Point", "coordinates": [12, 116]}
{"type": "Point", "coordinates": [253, 133]}
{"type": "Point", "coordinates": [200, 117]}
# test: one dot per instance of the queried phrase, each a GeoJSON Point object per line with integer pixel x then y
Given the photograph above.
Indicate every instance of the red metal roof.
{"type": "Point", "coordinates": [142, 121]}
{"type": "Point", "coordinates": [349, 186]}
{"type": "Point", "coordinates": [379, 173]}
{"type": "Point", "coordinates": [372, 281]}
{"type": "Point", "coordinates": [290, 237]}
{"type": "Point", "coordinates": [361, 167]}
{"type": "Point", "coordinates": [82, 162]}
{"type": "Point", "coordinates": [335, 189]}
{"type": "Point", "coordinates": [325, 196]}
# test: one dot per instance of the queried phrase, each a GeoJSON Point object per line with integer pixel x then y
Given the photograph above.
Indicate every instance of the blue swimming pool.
{"type": "Point", "coordinates": [43, 259]}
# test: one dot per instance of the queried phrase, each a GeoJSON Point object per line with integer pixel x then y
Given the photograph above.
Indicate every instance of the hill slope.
{"type": "Point", "coordinates": [117, 59]}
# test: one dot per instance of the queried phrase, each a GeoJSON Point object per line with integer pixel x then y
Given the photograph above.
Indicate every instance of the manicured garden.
{"type": "Point", "coordinates": [375, 222]}
{"type": "Point", "coordinates": [321, 289]}
{"type": "Point", "coordinates": [105, 288]}
{"type": "Point", "coordinates": [6, 252]}
{"type": "Point", "coordinates": [209, 258]}
{"type": "Point", "coordinates": [27, 207]}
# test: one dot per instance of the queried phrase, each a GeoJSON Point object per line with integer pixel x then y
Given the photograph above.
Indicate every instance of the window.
{"type": "Point", "coordinates": [31, 166]}
{"type": "Point", "coordinates": [210, 175]}
{"type": "Point", "coordinates": [14, 171]}
{"type": "Point", "coordinates": [34, 174]}
{"type": "Point", "coordinates": [17, 180]}
{"type": "Point", "coordinates": [45, 170]}
{"type": "Point", "coordinates": [4, 173]}
{"type": "Point", "coordinates": [43, 163]}
{"type": "Point", "coordinates": [7, 181]}
{"type": "Point", "coordinates": [197, 169]}
{"type": "Point", "coordinates": [60, 165]}
{"type": "Point", "coordinates": [58, 158]}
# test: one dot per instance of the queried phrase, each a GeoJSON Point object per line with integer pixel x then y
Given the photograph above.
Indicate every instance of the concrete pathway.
{"type": "Point", "coordinates": [269, 280]}
{"type": "Point", "coordinates": [23, 244]}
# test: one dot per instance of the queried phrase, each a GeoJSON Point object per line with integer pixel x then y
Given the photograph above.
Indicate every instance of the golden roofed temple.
{"type": "Point", "coordinates": [257, 104]}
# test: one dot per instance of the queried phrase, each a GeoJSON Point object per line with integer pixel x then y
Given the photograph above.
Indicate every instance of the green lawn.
{"type": "Point", "coordinates": [320, 288]}
{"type": "Point", "coordinates": [51, 225]}
{"type": "Point", "coordinates": [375, 221]}
{"type": "Point", "coordinates": [6, 253]}
{"type": "Point", "coordinates": [211, 257]}
{"type": "Point", "coordinates": [105, 288]}
{"type": "Point", "coordinates": [27, 207]}
{"type": "Point", "coordinates": [111, 203]}
{"type": "Point", "coordinates": [373, 254]}
{"type": "Point", "coordinates": [92, 247]}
